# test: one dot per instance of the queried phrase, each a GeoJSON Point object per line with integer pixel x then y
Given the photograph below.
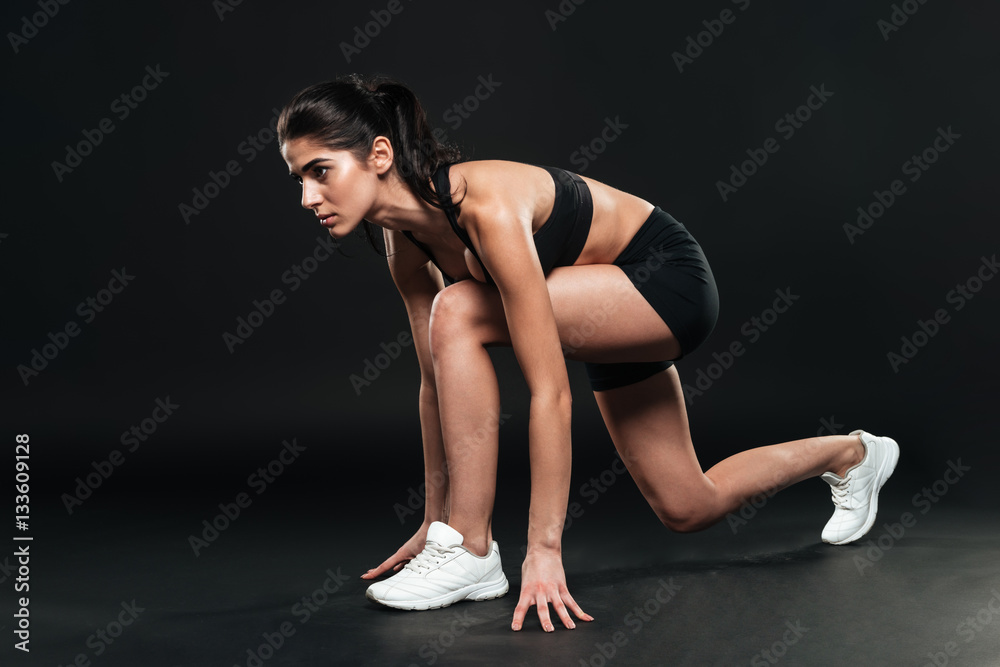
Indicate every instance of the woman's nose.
{"type": "Point", "coordinates": [310, 195]}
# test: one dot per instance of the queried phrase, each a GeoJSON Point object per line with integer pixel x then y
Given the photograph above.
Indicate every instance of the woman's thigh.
{"type": "Point", "coordinates": [600, 316]}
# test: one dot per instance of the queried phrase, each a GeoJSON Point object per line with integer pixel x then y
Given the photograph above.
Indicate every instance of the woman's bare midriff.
{"type": "Point", "coordinates": [529, 191]}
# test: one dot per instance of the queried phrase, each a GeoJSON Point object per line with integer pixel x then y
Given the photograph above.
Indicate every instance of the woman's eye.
{"type": "Point", "coordinates": [319, 171]}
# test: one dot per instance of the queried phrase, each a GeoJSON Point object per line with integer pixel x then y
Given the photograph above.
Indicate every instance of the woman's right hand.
{"type": "Point", "coordinates": [403, 555]}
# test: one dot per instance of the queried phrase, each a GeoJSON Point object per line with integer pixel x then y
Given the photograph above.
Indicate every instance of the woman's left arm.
{"type": "Point", "coordinates": [507, 249]}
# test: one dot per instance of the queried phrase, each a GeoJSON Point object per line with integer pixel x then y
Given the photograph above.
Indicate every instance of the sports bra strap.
{"type": "Point", "coordinates": [442, 184]}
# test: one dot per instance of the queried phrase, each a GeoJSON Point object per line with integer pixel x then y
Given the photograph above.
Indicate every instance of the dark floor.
{"type": "Point", "coordinates": [759, 593]}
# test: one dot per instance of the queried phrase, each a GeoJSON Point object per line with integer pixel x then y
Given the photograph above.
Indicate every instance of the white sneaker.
{"type": "Point", "coordinates": [856, 493]}
{"type": "Point", "coordinates": [443, 573]}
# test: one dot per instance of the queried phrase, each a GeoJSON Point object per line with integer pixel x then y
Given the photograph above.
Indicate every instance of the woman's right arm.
{"type": "Point", "coordinates": [418, 282]}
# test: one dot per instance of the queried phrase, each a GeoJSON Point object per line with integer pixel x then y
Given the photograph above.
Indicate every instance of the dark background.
{"type": "Point", "coordinates": [825, 359]}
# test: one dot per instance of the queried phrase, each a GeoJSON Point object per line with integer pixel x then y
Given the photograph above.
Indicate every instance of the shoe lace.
{"type": "Point", "coordinates": [840, 494]}
{"type": "Point", "coordinates": [432, 556]}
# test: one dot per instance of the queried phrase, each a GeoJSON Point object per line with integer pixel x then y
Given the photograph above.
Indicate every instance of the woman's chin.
{"type": "Point", "coordinates": [339, 230]}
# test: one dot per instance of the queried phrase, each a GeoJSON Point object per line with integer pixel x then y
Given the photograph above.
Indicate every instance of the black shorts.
{"type": "Point", "coordinates": [669, 269]}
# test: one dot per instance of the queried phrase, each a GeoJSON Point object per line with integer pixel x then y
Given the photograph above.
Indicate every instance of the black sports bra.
{"type": "Point", "coordinates": [558, 242]}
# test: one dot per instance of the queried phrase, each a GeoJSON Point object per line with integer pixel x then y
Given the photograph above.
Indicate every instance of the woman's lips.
{"type": "Point", "coordinates": [328, 221]}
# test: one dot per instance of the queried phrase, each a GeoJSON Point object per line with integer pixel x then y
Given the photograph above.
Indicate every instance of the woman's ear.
{"type": "Point", "coordinates": [381, 156]}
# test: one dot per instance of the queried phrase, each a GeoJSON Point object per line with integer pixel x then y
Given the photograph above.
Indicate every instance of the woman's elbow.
{"type": "Point", "coordinates": [557, 397]}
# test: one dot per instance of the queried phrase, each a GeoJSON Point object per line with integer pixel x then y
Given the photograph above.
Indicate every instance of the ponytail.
{"type": "Point", "coordinates": [349, 112]}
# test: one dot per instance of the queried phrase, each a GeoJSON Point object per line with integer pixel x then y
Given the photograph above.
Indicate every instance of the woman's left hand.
{"type": "Point", "coordinates": [543, 581]}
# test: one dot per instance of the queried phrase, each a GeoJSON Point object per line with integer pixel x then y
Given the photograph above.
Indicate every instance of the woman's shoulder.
{"type": "Point", "coordinates": [494, 169]}
{"type": "Point", "coordinates": [489, 183]}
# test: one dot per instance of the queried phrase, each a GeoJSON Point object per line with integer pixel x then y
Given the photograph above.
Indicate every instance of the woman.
{"type": "Point", "coordinates": [489, 253]}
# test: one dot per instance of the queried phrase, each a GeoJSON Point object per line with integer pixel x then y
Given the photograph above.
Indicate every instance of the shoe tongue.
{"type": "Point", "coordinates": [831, 478]}
{"type": "Point", "coordinates": [443, 534]}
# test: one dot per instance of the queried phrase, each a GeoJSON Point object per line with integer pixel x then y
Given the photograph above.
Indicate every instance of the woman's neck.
{"type": "Point", "coordinates": [398, 208]}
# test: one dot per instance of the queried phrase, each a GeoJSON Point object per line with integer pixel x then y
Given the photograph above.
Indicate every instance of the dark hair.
{"type": "Point", "coordinates": [350, 111]}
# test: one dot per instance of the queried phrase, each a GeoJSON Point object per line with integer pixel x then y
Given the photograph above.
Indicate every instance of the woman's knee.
{"type": "Point", "coordinates": [685, 522]}
{"type": "Point", "coordinates": [456, 315]}
{"type": "Point", "coordinates": [687, 516]}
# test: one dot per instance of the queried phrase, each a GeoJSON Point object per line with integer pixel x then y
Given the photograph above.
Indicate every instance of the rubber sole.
{"type": "Point", "coordinates": [474, 593]}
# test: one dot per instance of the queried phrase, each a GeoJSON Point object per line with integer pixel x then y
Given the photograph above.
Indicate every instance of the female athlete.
{"type": "Point", "coordinates": [557, 266]}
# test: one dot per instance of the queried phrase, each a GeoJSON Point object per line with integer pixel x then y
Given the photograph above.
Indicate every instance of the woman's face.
{"type": "Point", "coordinates": [340, 190]}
